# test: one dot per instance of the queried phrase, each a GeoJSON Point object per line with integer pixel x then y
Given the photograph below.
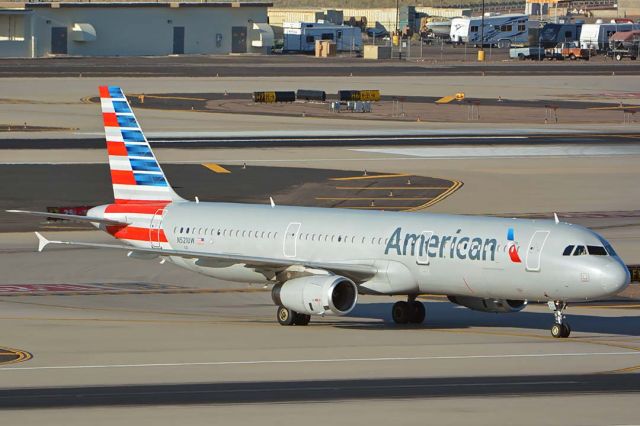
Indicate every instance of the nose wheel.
{"type": "Point", "coordinates": [410, 312]}
{"type": "Point", "coordinates": [561, 328]}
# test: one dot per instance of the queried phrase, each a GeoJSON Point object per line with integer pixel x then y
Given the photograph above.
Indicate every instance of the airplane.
{"type": "Point", "coordinates": [320, 259]}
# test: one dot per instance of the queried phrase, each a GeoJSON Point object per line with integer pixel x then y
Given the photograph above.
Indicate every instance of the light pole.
{"type": "Point", "coordinates": [481, 51]}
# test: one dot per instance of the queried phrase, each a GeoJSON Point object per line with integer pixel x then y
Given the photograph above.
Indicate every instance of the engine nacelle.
{"type": "Point", "coordinates": [498, 306]}
{"type": "Point", "coordinates": [317, 294]}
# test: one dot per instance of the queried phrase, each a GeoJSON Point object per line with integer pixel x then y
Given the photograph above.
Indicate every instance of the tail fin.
{"type": "Point", "coordinates": [135, 173]}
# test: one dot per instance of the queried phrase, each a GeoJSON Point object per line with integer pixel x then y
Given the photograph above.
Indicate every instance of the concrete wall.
{"type": "Point", "coordinates": [15, 34]}
{"type": "Point", "coordinates": [130, 31]}
{"type": "Point", "coordinates": [629, 7]}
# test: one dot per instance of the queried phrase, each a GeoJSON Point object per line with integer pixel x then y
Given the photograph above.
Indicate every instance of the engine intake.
{"type": "Point", "coordinates": [317, 294]}
{"type": "Point", "coordinates": [498, 306]}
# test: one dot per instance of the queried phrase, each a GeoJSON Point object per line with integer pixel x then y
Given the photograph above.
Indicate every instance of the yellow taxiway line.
{"type": "Point", "coordinates": [216, 168]}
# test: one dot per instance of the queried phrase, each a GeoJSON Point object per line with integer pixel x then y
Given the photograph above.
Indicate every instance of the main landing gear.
{"type": "Point", "coordinates": [561, 328]}
{"type": "Point", "coordinates": [411, 311]}
{"type": "Point", "coordinates": [287, 316]}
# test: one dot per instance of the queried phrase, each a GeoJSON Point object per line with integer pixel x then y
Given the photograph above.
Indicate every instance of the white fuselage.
{"type": "Point", "coordinates": [414, 253]}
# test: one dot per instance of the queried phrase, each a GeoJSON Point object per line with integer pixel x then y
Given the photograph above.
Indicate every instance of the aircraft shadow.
{"type": "Point", "coordinates": [449, 316]}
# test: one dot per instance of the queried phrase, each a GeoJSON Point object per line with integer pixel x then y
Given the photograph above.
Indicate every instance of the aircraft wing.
{"type": "Point", "coordinates": [71, 217]}
{"type": "Point", "coordinates": [355, 271]}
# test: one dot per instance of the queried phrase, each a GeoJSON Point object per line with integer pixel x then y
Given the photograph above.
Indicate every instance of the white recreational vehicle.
{"type": "Point", "coordinates": [302, 36]}
{"type": "Point", "coordinates": [499, 30]}
{"type": "Point", "coordinates": [596, 36]}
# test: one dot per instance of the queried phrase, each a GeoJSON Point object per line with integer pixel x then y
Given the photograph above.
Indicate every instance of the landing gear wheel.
{"type": "Point", "coordinates": [560, 330]}
{"type": "Point", "coordinates": [417, 312]}
{"type": "Point", "coordinates": [286, 316]}
{"type": "Point", "coordinates": [400, 312]}
{"type": "Point", "coordinates": [302, 319]}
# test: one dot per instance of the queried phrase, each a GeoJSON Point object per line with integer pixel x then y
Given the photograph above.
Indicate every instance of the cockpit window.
{"type": "Point", "coordinates": [597, 250]}
{"type": "Point", "coordinates": [610, 250]}
{"type": "Point", "coordinates": [567, 251]}
{"type": "Point", "coordinates": [580, 251]}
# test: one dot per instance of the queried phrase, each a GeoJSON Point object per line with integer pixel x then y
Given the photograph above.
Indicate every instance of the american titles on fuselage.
{"type": "Point", "coordinates": [429, 244]}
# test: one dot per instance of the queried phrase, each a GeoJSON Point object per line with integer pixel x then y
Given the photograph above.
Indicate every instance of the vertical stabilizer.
{"type": "Point", "coordinates": [135, 173]}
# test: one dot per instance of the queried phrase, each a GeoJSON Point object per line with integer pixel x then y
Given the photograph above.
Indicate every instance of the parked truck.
{"type": "Point", "coordinates": [522, 53]}
{"type": "Point", "coordinates": [572, 51]}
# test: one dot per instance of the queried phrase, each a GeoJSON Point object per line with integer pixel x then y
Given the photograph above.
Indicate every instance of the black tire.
{"type": "Point", "coordinates": [633, 58]}
{"type": "Point", "coordinates": [417, 312]}
{"type": "Point", "coordinates": [556, 330]}
{"type": "Point", "coordinates": [618, 57]}
{"type": "Point", "coordinates": [400, 312]}
{"type": "Point", "coordinates": [521, 56]}
{"type": "Point", "coordinates": [286, 316]}
{"type": "Point", "coordinates": [566, 330]}
{"type": "Point", "coordinates": [572, 57]}
{"type": "Point", "coordinates": [302, 319]}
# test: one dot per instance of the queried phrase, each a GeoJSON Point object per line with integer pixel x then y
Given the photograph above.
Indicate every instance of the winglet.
{"type": "Point", "coordinates": [555, 217]}
{"type": "Point", "coordinates": [273, 204]}
{"type": "Point", "coordinates": [42, 241]}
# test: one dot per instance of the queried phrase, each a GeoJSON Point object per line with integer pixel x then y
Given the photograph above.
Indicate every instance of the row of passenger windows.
{"type": "Point", "coordinates": [302, 237]}
{"type": "Point", "coordinates": [587, 250]}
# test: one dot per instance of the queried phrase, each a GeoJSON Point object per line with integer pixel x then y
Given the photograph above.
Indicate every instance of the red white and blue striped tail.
{"type": "Point", "coordinates": [135, 173]}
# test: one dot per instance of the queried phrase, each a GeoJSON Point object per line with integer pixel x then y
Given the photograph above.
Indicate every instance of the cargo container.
{"type": "Point", "coordinates": [272, 97]}
{"type": "Point", "coordinates": [311, 95]}
{"type": "Point", "coordinates": [359, 95]}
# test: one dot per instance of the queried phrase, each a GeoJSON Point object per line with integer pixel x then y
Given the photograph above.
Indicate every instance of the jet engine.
{"type": "Point", "coordinates": [498, 306]}
{"type": "Point", "coordinates": [317, 294]}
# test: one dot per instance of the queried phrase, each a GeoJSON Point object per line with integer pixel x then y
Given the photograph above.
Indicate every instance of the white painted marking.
{"type": "Point", "coordinates": [321, 361]}
{"type": "Point", "coordinates": [509, 151]}
{"type": "Point", "coordinates": [345, 138]}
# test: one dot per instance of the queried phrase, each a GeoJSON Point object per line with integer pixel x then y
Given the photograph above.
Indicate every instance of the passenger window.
{"type": "Point", "coordinates": [580, 251]}
{"type": "Point", "coordinates": [380, 241]}
{"type": "Point", "coordinates": [339, 238]}
{"type": "Point", "coordinates": [187, 231]}
{"type": "Point", "coordinates": [181, 230]}
{"type": "Point", "coordinates": [596, 251]}
{"type": "Point", "coordinates": [249, 234]}
{"type": "Point", "coordinates": [275, 235]}
{"type": "Point", "coordinates": [363, 239]}
{"type": "Point", "coordinates": [567, 251]}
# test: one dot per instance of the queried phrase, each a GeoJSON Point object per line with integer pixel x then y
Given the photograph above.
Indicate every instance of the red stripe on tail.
{"type": "Point", "coordinates": [124, 177]}
{"type": "Point", "coordinates": [117, 148]}
{"type": "Point", "coordinates": [137, 234]}
{"type": "Point", "coordinates": [104, 92]}
{"type": "Point", "coordinates": [110, 119]}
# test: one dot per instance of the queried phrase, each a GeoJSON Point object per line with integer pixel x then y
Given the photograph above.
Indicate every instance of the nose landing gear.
{"type": "Point", "coordinates": [561, 328]}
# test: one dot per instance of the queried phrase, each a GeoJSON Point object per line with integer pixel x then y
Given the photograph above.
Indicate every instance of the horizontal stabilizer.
{"type": "Point", "coordinates": [72, 217]}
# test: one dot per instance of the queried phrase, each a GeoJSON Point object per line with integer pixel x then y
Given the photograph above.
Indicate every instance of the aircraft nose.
{"type": "Point", "coordinates": [615, 277]}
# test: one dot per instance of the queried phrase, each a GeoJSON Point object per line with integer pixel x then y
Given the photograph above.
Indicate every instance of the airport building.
{"type": "Point", "coordinates": [134, 29]}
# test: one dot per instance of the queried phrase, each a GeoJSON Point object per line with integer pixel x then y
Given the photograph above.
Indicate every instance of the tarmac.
{"type": "Point", "coordinates": [113, 339]}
